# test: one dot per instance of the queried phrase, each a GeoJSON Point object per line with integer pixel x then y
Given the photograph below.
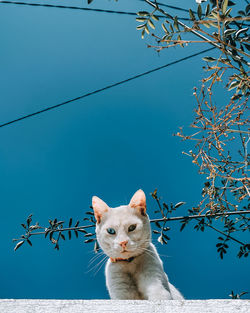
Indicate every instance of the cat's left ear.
{"type": "Point", "coordinates": [138, 202]}
{"type": "Point", "coordinates": [99, 207]}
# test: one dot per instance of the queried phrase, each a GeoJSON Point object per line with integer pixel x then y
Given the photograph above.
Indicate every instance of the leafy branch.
{"type": "Point", "coordinates": [203, 220]}
{"type": "Point", "coordinates": [56, 230]}
{"type": "Point", "coordinates": [225, 38]}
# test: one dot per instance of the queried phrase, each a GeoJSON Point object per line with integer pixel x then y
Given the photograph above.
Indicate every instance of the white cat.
{"type": "Point", "coordinates": [134, 270]}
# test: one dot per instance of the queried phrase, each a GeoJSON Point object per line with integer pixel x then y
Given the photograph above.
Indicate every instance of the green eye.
{"type": "Point", "coordinates": [111, 231]}
{"type": "Point", "coordinates": [132, 227]}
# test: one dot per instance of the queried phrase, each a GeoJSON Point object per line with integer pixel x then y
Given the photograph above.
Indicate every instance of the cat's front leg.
{"type": "Point", "coordinates": [153, 289]}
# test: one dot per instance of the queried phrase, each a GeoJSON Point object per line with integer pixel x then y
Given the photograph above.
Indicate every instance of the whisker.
{"type": "Point", "coordinates": [95, 257]}
{"type": "Point", "coordinates": [96, 265]}
{"type": "Point", "coordinates": [101, 265]}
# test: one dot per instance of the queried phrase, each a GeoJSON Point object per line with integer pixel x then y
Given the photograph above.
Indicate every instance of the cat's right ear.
{"type": "Point", "coordinates": [99, 207]}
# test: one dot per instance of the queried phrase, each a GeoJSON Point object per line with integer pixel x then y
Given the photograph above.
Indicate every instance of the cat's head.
{"type": "Point", "coordinates": [124, 231]}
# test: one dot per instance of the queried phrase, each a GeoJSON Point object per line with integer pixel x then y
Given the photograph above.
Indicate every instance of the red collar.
{"type": "Point", "coordinates": [120, 259]}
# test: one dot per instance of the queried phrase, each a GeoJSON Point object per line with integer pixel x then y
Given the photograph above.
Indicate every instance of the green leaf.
{"type": "Point", "coordinates": [179, 38]}
{"type": "Point", "coordinates": [179, 204]}
{"type": "Point", "coordinates": [241, 13]}
{"type": "Point", "coordinates": [89, 240]}
{"type": "Point", "coordinates": [199, 11]}
{"type": "Point", "coordinates": [156, 232]}
{"type": "Point", "coordinates": [228, 12]}
{"type": "Point", "coordinates": [171, 28]}
{"type": "Point", "coordinates": [47, 231]}
{"type": "Point", "coordinates": [213, 15]}
{"type": "Point", "coordinates": [70, 222]}
{"type": "Point", "coordinates": [214, 25]}
{"type": "Point", "coordinates": [82, 231]}
{"type": "Point", "coordinates": [96, 247]}
{"type": "Point", "coordinates": [154, 194]}
{"type": "Point", "coordinates": [209, 59]}
{"type": "Point", "coordinates": [224, 6]}
{"type": "Point", "coordinates": [207, 10]}
{"type": "Point", "coordinates": [146, 29]}
{"type": "Point", "coordinates": [88, 235]}
{"type": "Point", "coordinates": [143, 13]}
{"type": "Point", "coordinates": [207, 25]}
{"type": "Point", "coordinates": [151, 24]}
{"type": "Point", "coordinates": [77, 223]}
{"type": "Point", "coordinates": [182, 226]}
{"type": "Point", "coordinates": [241, 31]}
{"type": "Point", "coordinates": [191, 14]}
{"type": "Point", "coordinates": [18, 245]}
{"type": "Point", "coordinates": [141, 19]}
{"type": "Point", "coordinates": [247, 8]}
{"type": "Point", "coordinates": [158, 224]}
{"type": "Point", "coordinates": [165, 236]}
{"type": "Point", "coordinates": [143, 33]}
{"type": "Point", "coordinates": [164, 28]}
{"type": "Point", "coordinates": [176, 26]}
{"type": "Point", "coordinates": [233, 85]}
{"type": "Point", "coordinates": [140, 26]}
{"type": "Point", "coordinates": [229, 32]}
{"type": "Point", "coordinates": [154, 17]}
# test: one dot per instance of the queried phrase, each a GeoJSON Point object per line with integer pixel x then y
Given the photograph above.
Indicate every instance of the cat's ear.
{"type": "Point", "coordinates": [99, 207]}
{"type": "Point", "coordinates": [138, 202]}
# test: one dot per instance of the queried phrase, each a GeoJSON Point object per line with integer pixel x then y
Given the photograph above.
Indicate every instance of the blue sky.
{"type": "Point", "coordinates": [109, 145]}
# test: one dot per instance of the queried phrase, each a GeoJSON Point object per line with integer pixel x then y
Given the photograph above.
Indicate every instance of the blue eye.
{"type": "Point", "coordinates": [111, 231]}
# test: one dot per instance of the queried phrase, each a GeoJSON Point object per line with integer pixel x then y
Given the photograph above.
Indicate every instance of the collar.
{"type": "Point", "coordinates": [120, 259]}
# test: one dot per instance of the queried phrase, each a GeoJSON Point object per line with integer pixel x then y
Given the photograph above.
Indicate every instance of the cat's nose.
{"type": "Point", "coordinates": [123, 243]}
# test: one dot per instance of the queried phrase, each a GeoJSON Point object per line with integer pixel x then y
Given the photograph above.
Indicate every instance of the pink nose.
{"type": "Point", "coordinates": [123, 244]}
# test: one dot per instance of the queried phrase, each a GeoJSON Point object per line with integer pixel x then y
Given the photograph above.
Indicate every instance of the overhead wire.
{"type": "Point", "coordinates": [78, 8]}
{"type": "Point", "coordinates": [104, 88]}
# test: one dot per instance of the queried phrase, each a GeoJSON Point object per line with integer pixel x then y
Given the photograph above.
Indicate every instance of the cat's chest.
{"type": "Point", "coordinates": [134, 268]}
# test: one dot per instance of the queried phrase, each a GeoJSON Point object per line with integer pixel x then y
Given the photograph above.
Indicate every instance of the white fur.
{"type": "Point", "coordinates": [144, 277]}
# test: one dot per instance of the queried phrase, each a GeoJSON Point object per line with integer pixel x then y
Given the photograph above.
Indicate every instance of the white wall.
{"type": "Point", "coordinates": [122, 306]}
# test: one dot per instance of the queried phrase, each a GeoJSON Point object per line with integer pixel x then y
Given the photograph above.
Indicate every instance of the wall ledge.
{"type": "Point", "coordinates": [122, 306]}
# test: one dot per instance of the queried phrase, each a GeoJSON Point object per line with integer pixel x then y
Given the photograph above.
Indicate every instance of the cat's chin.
{"type": "Point", "coordinates": [125, 255]}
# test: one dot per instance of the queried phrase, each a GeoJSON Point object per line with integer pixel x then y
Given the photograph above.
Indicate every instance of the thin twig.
{"type": "Point", "coordinates": [199, 216]}
{"type": "Point", "coordinates": [155, 6]}
{"type": "Point", "coordinates": [62, 229]}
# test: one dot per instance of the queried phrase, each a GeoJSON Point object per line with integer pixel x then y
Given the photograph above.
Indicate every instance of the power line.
{"type": "Point", "coordinates": [104, 88]}
{"type": "Point", "coordinates": [78, 8]}
{"type": "Point", "coordinates": [184, 10]}
{"type": "Point", "coordinates": [177, 8]}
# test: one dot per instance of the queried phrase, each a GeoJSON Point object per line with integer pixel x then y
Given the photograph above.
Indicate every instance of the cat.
{"type": "Point", "coordinates": [134, 269]}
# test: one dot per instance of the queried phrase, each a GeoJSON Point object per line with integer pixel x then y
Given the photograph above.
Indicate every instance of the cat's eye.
{"type": "Point", "coordinates": [111, 231]}
{"type": "Point", "coordinates": [132, 227]}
